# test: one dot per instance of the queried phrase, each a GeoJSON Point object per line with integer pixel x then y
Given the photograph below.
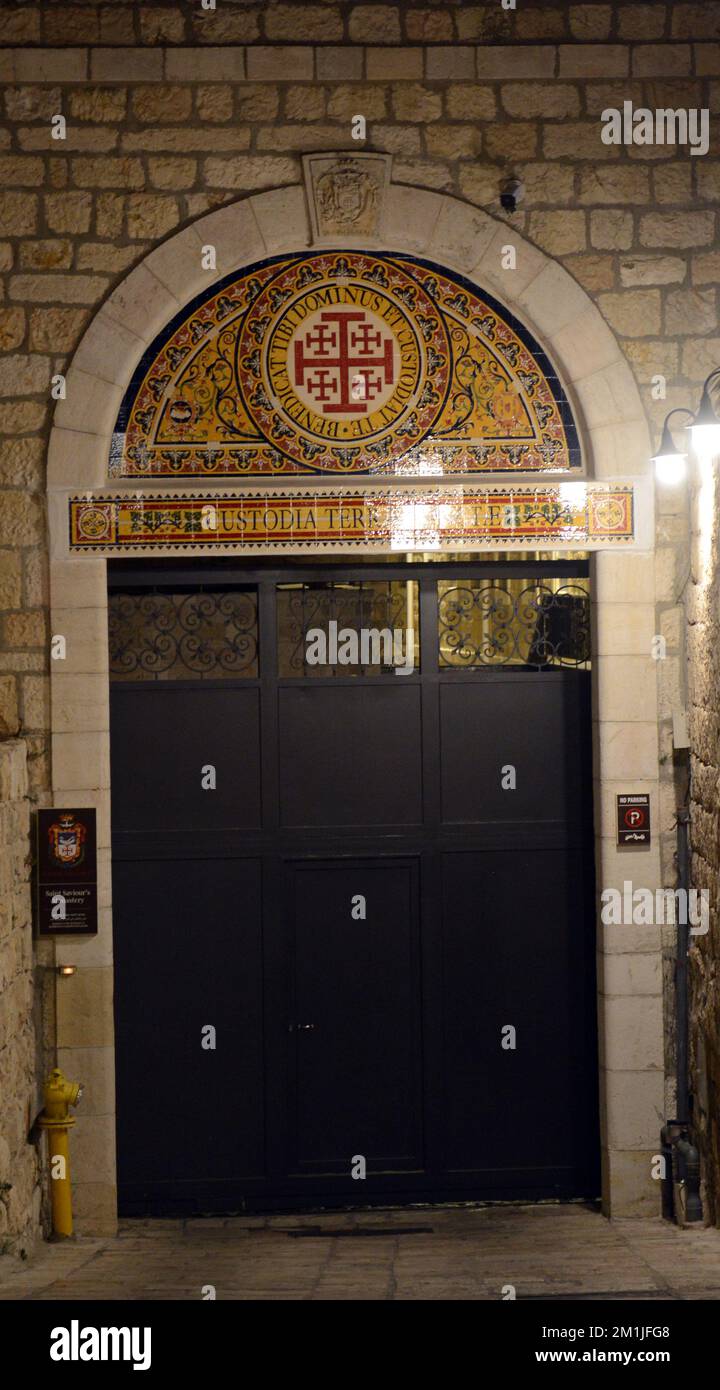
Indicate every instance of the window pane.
{"type": "Point", "coordinates": [348, 628]}
{"type": "Point", "coordinates": [514, 622]}
{"type": "Point", "coordinates": [210, 635]}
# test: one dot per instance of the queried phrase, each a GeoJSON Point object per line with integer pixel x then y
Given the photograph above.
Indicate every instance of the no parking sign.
{"type": "Point", "coordinates": [633, 819]}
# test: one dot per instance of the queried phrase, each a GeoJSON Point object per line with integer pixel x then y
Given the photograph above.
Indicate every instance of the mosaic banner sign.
{"type": "Point", "coordinates": [572, 515]}
{"type": "Point", "coordinates": [343, 363]}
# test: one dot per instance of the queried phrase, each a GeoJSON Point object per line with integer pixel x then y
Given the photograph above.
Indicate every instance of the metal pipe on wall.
{"type": "Point", "coordinates": [681, 969]}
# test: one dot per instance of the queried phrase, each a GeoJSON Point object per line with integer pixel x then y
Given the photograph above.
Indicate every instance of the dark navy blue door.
{"type": "Point", "coordinates": [353, 897]}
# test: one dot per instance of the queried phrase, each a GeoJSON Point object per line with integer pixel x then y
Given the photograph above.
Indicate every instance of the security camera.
{"type": "Point", "coordinates": [511, 194]}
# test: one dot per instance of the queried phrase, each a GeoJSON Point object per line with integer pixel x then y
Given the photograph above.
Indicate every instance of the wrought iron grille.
{"type": "Point", "coordinates": [372, 623]}
{"type": "Point", "coordinates": [514, 622]}
{"type": "Point", "coordinates": [183, 636]}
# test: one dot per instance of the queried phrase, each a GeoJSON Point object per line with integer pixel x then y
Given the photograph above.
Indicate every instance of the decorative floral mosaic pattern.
{"type": "Point", "coordinates": [571, 514]}
{"type": "Point", "coordinates": [343, 363]}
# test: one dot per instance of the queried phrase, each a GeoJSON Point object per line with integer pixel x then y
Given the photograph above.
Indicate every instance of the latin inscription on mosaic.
{"type": "Point", "coordinates": [345, 519]}
{"type": "Point", "coordinates": [343, 363]}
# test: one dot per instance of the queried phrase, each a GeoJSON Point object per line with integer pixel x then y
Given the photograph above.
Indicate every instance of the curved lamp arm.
{"type": "Point", "coordinates": [705, 428]}
{"type": "Point", "coordinates": [667, 447]}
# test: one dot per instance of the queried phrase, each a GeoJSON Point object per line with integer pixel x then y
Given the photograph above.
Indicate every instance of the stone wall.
{"type": "Point", "coordinates": [20, 1192]}
{"type": "Point", "coordinates": [172, 111]}
{"type": "Point", "coordinates": [703, 611]}
{"type": "Point", "coordinates": [150, 22]}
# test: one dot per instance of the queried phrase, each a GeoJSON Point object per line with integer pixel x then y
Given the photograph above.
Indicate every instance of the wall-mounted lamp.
{"type": "Point", "coordinates": [66, 969]}
{"type": "Point", "coordinates": [670, 462]}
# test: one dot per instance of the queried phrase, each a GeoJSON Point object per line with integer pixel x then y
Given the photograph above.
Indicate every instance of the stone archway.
{"type": "Point", "coordinates": [607, 407]}
{"type": "Point", "coordinates": [539, 291]}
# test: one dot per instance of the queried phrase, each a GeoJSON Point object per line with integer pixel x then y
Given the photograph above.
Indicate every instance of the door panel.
{"type": "Point", "coordinates": [523, 721]}
{"type": "Point", "coordinates": [162, 738]}
{"type": "Point", "coordinates": [188, 955]}
{"type": "Point", "coordinates": [355, 1039]}
{"type": "Point", "coordinates": [340, 737]}
{"type": "Point", "coordinates": [513, 955]}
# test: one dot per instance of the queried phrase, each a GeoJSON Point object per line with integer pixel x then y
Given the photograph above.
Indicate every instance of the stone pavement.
{"type": "Point", "coordinates": [545, 1252]}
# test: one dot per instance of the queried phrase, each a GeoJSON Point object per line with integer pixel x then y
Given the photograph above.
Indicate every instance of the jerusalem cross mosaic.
{"type": "Point", "coordinates": [339, 363]}
{"type": "Point", "coordinates": [374, 388]}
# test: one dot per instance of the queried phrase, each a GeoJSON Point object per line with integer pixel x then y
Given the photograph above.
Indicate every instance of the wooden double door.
{"type": "Point", "coordinates": [352, 902]}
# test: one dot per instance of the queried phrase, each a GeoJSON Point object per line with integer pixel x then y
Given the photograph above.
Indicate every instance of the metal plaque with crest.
{"type": "Point", "coordinates": [66, 895]}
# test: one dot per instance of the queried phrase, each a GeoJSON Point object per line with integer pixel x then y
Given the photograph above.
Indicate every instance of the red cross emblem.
{"type": "Point", "coordinates": [344, 362]}
{"type": "Point", "coordinates": [67, 836]}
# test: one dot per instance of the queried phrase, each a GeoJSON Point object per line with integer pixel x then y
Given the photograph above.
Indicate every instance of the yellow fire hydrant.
{"type": "Point", "coordinates": [59, 1096]}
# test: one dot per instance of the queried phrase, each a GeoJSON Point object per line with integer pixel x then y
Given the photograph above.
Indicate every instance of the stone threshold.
{"type": "Point", "coordinates": [357, 62]}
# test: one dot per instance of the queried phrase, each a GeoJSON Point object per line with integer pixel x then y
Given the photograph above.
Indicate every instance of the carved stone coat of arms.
{"type": "Point", "coordinates": [346, 193]}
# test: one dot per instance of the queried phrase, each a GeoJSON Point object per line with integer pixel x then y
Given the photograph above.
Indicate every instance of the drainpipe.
{"type": "Point", "coordinates": [681, 1184]}
{"type": "Point", "coordinates": [681, 968]}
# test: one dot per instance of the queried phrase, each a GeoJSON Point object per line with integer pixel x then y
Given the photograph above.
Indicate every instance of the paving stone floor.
{"type": "Point", "coordinates": [545, 1252]}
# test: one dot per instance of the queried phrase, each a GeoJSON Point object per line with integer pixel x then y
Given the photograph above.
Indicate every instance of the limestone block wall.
{"type": "Point", "coordinates": [703, 598]}
{"type": "Point", "coordinates": [20, 1191]}
{"type": "Point", "coordinates": [172, 112]}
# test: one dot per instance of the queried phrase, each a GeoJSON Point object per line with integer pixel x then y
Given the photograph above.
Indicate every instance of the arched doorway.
{"type": "Point", "coordinates": [455, 236]}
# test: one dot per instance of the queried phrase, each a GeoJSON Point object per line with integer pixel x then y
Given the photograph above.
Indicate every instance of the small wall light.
{"type": "Point", "coordinates": [670, 463]}
{"type": "Point", "coordinates": [66, 969]}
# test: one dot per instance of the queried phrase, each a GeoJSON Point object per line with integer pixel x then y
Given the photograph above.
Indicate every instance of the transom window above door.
{"type": "Point", "coordinates": [513, 622]}
{"type": "Point", "coordinates": [352, 626]}
{"type": "Point", "coordinates": [201, 634]}
{"type": "Point", "coordinates": [348, 627]}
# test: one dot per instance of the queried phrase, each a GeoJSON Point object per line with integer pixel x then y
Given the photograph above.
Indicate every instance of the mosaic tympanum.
{"type": "Point", "coordinates": [339, 363]}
